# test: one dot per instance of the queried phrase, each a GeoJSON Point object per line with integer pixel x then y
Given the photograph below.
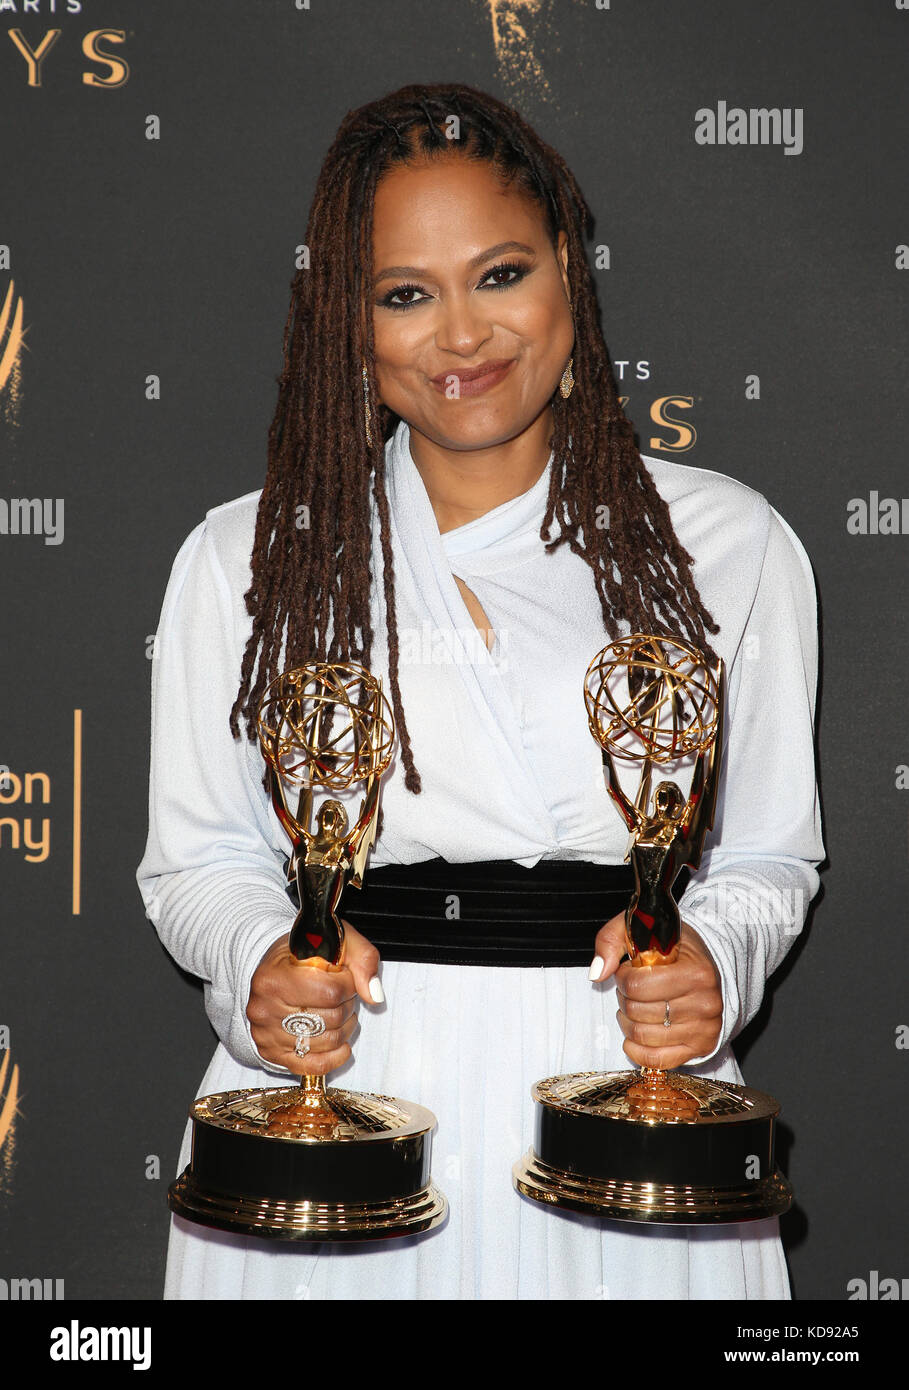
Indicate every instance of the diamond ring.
{"type": "Point", "coordinates": [303, 1026]}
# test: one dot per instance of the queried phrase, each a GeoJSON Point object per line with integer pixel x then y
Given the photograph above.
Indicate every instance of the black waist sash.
{"type": "Point", "coordinates": [490, 913]}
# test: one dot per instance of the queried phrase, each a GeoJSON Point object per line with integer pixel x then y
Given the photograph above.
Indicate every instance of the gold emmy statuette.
{"type": "Point", "coordinates": [652, 1145]}
{"type": "Point", "coordinates": [310, 1162]}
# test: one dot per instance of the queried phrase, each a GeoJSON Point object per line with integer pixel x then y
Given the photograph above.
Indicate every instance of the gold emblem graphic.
{"type": "Point", "coordinates": [9, 1101]}
{"type": "Point", "coordinates": [12, 341]}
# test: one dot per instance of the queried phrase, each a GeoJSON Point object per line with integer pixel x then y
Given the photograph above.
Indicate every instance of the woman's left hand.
{"type": "Point", "coordinates": [691, 987]}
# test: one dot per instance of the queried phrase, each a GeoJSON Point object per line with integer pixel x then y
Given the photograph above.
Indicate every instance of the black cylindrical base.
{"type": "Point", "coordinates": [713, 1163]}
{"type": "Point", "coordinates": [367, 1179]}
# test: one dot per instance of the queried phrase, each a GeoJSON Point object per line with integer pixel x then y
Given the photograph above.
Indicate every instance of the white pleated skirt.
{"type": "Point", "coordinates": [468, 1042]}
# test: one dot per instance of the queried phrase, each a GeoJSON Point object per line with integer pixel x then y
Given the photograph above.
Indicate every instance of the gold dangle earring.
{"type": "Point", "coordinates": [366, 406]}
{"type": "Point", "coordinates": [567, 382]}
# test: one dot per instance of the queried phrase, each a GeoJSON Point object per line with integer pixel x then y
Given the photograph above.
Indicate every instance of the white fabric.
{"type": "Point", "coordinates": [509, 771]}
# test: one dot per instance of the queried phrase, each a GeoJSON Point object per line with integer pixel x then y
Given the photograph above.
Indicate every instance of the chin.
{"type": "Point", "coordinates": [478, 430]}
{"type": "Point", "coordinates": [477, 436]}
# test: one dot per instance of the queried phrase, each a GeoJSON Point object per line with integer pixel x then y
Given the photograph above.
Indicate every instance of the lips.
{"type": "Point", "coordinates": [473, 380]}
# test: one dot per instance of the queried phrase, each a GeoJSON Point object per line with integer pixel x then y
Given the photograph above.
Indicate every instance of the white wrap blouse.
{"type": "Point", "coordinates": [509, 771]}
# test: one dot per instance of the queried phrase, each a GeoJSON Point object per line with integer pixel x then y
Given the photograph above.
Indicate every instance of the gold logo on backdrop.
{"type": "Point", "coordinates": [25, 825]}
{"type": "Point", "coordinates": [117, 68]}
{"type": "Point", "coordinates": [9, 1101]}
{"type": "Point", "coordinates": [12, 342]}
{"type": "Point", "coordinates": [516, 27]}
{"type": "Point", "coordinates": [28, 833]}
{"type": "Point", "coordinates": [683, 432]}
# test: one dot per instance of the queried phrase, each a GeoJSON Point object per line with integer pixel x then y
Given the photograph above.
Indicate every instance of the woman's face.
{"type": "Point", "coordinates": [466, 277]}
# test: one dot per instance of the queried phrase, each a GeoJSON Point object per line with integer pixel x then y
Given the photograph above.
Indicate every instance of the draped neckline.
{"type": "Point", "coordinates": [510, 522]}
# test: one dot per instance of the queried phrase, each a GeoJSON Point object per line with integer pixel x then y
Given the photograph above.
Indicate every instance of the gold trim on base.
{"type": "Point", "coordinates": [658, 1203]}
{"type": "Point", "coordinates": [403, 1216]}
{"type": "Point", "coordinates": [653, 1097]}
{"type": "Point", "coordinates": [296, 1114]}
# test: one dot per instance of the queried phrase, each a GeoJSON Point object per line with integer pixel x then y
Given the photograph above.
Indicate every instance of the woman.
{"type": "Point", "coordinates": [449, 458]}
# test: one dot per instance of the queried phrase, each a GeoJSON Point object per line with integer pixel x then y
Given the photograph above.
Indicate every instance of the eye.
{"type": "Point", "coordinates": [514, 270]}
{"type": "Point", "coordinates": [388, 300]}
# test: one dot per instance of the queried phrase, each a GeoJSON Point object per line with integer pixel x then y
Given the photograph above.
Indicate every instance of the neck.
{"type": "Point", "coordinates": [463, 484]}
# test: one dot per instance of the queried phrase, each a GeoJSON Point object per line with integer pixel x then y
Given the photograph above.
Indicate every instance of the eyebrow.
{"type": "Point", "coordinates": [503, 246]}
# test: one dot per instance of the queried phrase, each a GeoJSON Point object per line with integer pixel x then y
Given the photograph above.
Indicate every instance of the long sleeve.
{"type": "Point", "coordinates": [508, 765]}
{"type": "Point", "coordinates": [749, 899]}
{"type": "Point", "coordinates": [210, 878]}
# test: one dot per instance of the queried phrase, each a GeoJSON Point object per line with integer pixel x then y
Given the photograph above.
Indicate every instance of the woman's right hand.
{"type": "Point", "coordinates": [283, 985]}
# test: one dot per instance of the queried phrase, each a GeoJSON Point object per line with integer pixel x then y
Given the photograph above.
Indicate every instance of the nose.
{"type": "Point", "coordinates": [463, 327]}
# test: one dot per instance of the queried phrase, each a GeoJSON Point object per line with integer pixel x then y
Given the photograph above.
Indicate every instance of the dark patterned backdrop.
{"type": "Point", "coordinates": [157, 166]}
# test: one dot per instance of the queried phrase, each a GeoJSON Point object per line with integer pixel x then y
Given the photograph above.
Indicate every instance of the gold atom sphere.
{"type": "Point", "coordinates": [673, 704]}
{"type": "Point", "coordinates": [326, 725]}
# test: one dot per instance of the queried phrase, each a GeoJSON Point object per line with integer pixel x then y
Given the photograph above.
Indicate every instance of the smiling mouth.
{"type": "Point", "coordinates": [471, 381]}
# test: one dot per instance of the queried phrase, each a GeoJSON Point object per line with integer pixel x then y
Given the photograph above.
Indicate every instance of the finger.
{"type": "Point", "coordinates": [304, 1019]}
{"type": "Point", "coordinates": [654, 1046]}
{"type": "Point", "coordinates": [302, 991]}
{"type": "Point", "coordinates": [334, 1002]}
{"type": "Point", "coordinates": [649, 983]}
{"type": "Point", "coordinates": [661, 1058]}
{"type": "Point", "coordinates": [325, 1052]}
{"type": "Point", "coordinates": [362, 960]}
{"type": "Point", "coordinates": [305, 984]}
{"type": "Point", "coordinates": [654, 1035]}
{"type": "Point", "coordinates": [610, 947]}
{"type": "Point", "coordinates": [684, 1008]}
{"type": "Point", "coordinates": [654, 1013]}
{"type": "Point", "coordinates": [333, 1019]}
{"type": "Point", "coordinates": [317, 1063]}
{"type": "Point", "coordinates": [329, 1041]}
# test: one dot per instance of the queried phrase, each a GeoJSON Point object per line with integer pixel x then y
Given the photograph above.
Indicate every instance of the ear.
{"type": "Point", "coordinates": [562, 256]}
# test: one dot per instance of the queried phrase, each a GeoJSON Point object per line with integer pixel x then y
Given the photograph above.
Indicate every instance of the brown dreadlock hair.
{"type": "Point", "coordinates": [318, 455]}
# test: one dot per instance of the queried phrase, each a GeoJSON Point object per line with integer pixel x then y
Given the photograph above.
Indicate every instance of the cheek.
{"type": "Point", "coordinates": [546, 327]}
{"type": "Point", "coordinates": [399, 350]}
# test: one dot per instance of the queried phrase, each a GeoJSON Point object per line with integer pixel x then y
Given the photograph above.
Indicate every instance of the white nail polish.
{"type": "Point", "coordinates": [596, 966]}
{"type": "Point", "coordinates": [376, 991]}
